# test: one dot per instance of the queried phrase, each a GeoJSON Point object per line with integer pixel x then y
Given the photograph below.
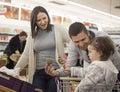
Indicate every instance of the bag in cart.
{"type": "Point", "coordinates": [27, 87]}
{"type": "Point", "coordinates": [9, 82]}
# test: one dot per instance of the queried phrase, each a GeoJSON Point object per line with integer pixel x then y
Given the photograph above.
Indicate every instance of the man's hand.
{"type": "Point", "coordinates": [17, 52]}
{"type": "Point", "coordinates": [49, 69]}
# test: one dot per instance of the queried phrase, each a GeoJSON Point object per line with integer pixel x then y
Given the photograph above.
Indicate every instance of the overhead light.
{"type": "Point", "coordinates": [58, 3]}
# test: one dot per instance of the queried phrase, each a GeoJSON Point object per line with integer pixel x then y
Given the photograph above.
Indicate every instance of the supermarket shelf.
{"type": "Point", "coordinates": [7, 34]}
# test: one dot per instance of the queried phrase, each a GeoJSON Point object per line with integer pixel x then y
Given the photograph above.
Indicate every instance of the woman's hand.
{"type": "Point", "coordinates": [49, 69]}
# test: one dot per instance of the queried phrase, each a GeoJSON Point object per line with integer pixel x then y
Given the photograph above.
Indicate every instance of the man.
{"type": "Point", "coordinates": [15, 47]}
{"type": "Point", "coordinates": [80, 37]}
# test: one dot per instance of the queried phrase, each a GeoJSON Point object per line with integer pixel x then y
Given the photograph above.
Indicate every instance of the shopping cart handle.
{"type": "Point", "coordinates": [70, 78]}
{"type": "Point", "coordinates": [38, 90]}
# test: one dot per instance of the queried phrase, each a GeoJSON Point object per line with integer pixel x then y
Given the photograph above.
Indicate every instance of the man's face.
{"type": "Point", "coordinates": [81, 40]}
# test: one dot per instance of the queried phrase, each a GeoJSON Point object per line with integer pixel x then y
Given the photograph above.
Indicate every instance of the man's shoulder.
{"type": "Point", "coordinates": [100, 33]}
{"type": "Point", "coordinates": [14, 38]}
{"type": "Point", "coordinates": [73, 47]}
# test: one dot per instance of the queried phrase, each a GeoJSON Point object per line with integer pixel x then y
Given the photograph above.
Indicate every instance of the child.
{"type": "Point", "coordinates": [101, 74]}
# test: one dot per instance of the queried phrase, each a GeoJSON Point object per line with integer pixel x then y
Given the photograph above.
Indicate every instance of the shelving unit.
{"type": "Point", "coordinates": [4, 39]}
{"type": "Point", "coordinates": [13, 19]}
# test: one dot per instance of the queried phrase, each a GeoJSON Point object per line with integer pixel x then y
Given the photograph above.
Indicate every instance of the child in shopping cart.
{"type": "Point", "coordinates": [101, 74]}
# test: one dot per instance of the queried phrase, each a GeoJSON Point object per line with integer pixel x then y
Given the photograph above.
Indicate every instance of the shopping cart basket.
{"type": "Point", "coordinates": [68, 84]}
{"type": "Point", "coordinates": [116, 87]}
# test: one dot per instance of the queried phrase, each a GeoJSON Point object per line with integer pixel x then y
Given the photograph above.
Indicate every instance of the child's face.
{"type": "Point", "coordinates": [93, 54]}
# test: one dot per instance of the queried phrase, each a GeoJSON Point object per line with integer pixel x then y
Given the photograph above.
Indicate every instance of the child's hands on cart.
{"type": "Point", "coordinates": [66, 68]}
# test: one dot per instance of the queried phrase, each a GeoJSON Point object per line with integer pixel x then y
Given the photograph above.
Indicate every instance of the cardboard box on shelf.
{"type": "Point", "coordinates": [2, 62]}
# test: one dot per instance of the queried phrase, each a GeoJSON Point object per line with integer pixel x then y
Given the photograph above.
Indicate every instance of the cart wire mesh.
{"type": "Point", "coordinates": [68, 84]}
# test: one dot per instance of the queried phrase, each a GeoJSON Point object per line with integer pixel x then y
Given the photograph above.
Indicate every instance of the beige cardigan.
{"type": "Point", "coordinates": [28, 56]}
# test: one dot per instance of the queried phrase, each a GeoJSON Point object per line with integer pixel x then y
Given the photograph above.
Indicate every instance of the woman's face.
{"type": "Point", "coordinates": [42, 20]}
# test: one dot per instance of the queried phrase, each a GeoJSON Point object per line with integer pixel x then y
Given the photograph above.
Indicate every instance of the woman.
{"type": "Point", "coordinates": [46, 41]}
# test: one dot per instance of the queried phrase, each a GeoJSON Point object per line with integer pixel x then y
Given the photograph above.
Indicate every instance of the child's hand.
{"type": "Point", "coordinates": [66, 68]}
{"type": "Point", "coordinates": [61, 60]}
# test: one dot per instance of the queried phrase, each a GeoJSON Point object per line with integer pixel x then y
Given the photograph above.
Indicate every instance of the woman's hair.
{"type": "Point", "coordinates": [103, 45]}
{"type": "Point", "coordinates": [33, 20]}
{"type": "Point", "coordinates": [77, 28]}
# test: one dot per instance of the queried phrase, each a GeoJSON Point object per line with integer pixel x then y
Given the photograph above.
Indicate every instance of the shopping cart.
{"type": "Point", "coordinates": [68, 84]}
{"type": "Point", "coordinates": [116, 87]}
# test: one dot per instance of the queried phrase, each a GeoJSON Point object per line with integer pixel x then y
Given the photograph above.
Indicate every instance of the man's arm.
{"type": "Point", "coordinates": [73, 55]}
{"type": "Point", "coordinates": [116, 59]}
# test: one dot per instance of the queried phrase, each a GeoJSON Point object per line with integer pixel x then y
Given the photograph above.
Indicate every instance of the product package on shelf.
{"type": "Point", "coordinates": [3, 60]}
{"type": "Point", "coordinates": [16, 85]}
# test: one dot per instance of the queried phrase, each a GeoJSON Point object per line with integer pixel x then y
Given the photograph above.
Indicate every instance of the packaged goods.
{"type": "Point", "coordinates": [16, 85]}
{"type": "Point", "coordinates": [10, 82]}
